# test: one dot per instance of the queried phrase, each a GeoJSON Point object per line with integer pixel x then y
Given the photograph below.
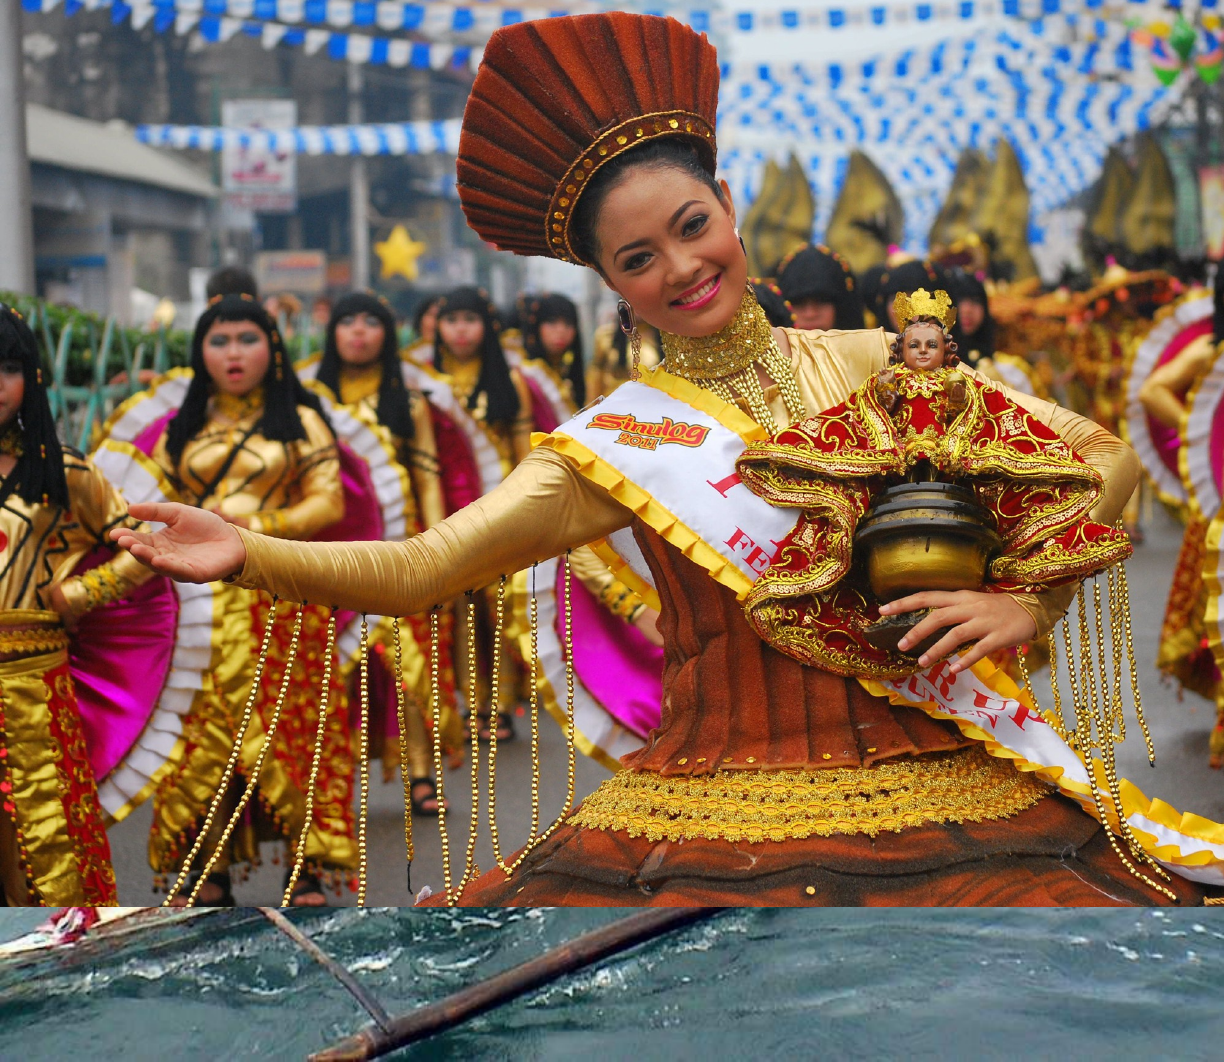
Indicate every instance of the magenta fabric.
{"type": "Point", "coordinates": [120, 656]}
{"type": "Point", "coordinates": [1166, 439]}
{"type": "Point", "coordinates": [460, 477]}
{"type": "Point", "coordinates": [542, 411]}
{"type": "Point", "coordinates": [147, 439]}
{"type": "Point", "coordinates": [613, 660]}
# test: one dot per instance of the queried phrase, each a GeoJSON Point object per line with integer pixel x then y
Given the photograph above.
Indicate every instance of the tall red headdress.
{"type": "Point", "coordinates": [557, 98]}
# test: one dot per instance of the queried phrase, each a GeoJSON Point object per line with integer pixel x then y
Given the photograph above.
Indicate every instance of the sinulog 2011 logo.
{"type": "Point", "coordinates": [649, 434]}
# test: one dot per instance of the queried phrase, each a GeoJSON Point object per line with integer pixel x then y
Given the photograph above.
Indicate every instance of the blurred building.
{"type": "Point", "coordinates": [111, 214]}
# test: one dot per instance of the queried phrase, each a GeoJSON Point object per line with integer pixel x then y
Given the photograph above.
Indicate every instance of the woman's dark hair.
{"type": "Point", "coordinates": [557, 308]}
{"type": "Point", "coordinates": [283, 391]}
{"type": "Point", "coordinates": [38, 477]}
{"type": "Point", "coordinates": [231, 280]}
{"type": "Point", "coordinates": [979, 344]}
{"type": "Point", "coordinates": [776, 306]}
{"type": "Point", "coordinates": [422, 309]}
{"type": "Point", "coordinates": [494, 382]}
{"type": "Point", "coordinates": [815, 272]}
{"type": "Point", "coordinates": [394, 412]}
{"type": "Point", "coordinates": [1218, 304]}
{"type": "Point", "coordinates": [666, 151]}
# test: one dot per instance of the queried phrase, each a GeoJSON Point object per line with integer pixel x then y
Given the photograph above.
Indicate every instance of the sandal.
{"type": "Point", "coordinates": [308, 884]}
{"type": "Point", "coordinates": [505, 728]}
{"type": "Point", "coordinates": [418, 802]}
{"type": "Point", "coordinates": [219, 878]}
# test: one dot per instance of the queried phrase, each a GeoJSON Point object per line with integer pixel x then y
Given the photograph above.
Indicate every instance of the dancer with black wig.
{"type": "Point", "coordinates": [552, 339]}
{"type": "Point", "coordinates": [55, 509]}
{"type": "Point", "coordinates": [253, 445]}
{"type": "Point", "coordinates": [361, 365]}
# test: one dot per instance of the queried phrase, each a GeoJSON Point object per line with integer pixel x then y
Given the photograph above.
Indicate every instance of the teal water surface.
{"type": "Point", "coordinates": [750, 984]}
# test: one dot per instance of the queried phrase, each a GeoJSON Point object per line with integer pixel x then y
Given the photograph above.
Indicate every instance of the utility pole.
{"type": "Point", "coordinates": [359, 189]}
{"type": "Point", "coordinates": [16, 223]}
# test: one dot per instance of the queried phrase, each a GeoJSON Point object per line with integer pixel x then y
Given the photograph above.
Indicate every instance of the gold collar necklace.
{"type": "Point", "coordinates": [726, 362]}
{"type": "Point", "coordinates": [236, 407]}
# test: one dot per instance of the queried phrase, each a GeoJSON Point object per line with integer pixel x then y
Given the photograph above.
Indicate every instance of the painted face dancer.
{"type": "Point", "coordinates": [788, 784]}
{"type": "Point", "coordinates": [251, 447]}
{"type": "Point", "coordinates": [55, 509]}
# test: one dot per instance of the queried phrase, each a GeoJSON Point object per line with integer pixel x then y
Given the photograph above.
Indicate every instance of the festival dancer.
{"type": "Point", "coordinates": [787, 784]}
{"type": "Point", "coordinates": [251, 445]}
{"type": "Point", "coordinates": [819, 284]}
{"type": "Point", "coordinates": [552, 338]}
{"type": "Point", "coordinates": [55, 509]}
{"type": "Point", "coordinates": [1184, 653]}
{"type": "Point", "coordinates": [974, 332]}
{"type": "Point", "coordinates": [360, 364]}
{"type": "Point", "coordinates": [470, 354]}
{"type": "Point", "coordinates": [425, 332]}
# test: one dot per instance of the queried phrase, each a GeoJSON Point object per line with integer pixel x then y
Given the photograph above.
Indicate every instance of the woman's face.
{"type": "Point", "coordinates": [971, 314]}
{"type": "Point", "coordinates": [557, 336]}
{"type": "Point", "coordinates": [12, 390]}
{"type": "Point", "coordinates": [922, 346]}
{"type": "Point", "coordinates": [814, 314]}
{"type": "Point", "coordinates": [429, 324]}
{"type": "Point", "coordinates": [359, 338]}
{"type": "Point", "coordinates": [462, 333]}
{"type": "Point", "coordinates": [236, 355]}
{"type": "Point", "coordinates": [667, 246]}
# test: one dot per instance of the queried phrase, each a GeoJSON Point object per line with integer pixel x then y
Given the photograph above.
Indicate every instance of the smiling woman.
{"type": "Point", "coordinates": [767, 781]}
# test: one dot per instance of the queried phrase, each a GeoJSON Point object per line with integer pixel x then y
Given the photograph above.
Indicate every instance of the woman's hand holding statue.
{"type": "Point", "coordinates": [990, 621]}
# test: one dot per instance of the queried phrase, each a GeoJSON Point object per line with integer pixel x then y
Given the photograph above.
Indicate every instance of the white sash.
{"type": "Point", "coordinates": [684, 458]}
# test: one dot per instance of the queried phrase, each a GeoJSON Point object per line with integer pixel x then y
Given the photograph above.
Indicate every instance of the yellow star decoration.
{"type": "Point", "coordinates": [399, 253]}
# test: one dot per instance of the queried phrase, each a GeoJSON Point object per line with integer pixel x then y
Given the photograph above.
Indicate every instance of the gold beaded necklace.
{"type": "Point", "coordinates": [726, 363]}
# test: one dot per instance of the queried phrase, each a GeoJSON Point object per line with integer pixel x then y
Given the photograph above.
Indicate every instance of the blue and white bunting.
{"type": "Point", "coordinates": [397, 138]}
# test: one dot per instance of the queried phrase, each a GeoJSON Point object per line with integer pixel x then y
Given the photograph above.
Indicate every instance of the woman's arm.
{"type": "Point", "coordinates": [423, 466]}
{"type": "Point", "coordinates": [1162, 393]}
{"type": "Point", "coordinates": [542, 509]}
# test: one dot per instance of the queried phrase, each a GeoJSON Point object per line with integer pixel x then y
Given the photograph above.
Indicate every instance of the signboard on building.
{"type": "Point", "coordinates": [1211, 195]}
{"type": "Point", "coordinates": [253, 177]}
{"type": "Point", "coordinates": [299, 272]}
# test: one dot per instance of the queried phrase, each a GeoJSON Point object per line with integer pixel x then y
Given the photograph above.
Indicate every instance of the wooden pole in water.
{"type": "Point", "coordinates": [467, 1003]}
{"type": "Point", "coordinates": [371, 1005]}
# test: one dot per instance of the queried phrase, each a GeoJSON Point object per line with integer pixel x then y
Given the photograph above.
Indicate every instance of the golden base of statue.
{"type": "Point", "coordinates": [918, 537]}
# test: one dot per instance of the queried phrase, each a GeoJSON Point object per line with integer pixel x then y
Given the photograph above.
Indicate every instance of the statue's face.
{"type": "Point", "coordinates": [922, 346]}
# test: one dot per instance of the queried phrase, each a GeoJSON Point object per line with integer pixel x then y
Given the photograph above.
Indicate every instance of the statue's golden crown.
{"type": "Point", "coordinates": [923, 304]}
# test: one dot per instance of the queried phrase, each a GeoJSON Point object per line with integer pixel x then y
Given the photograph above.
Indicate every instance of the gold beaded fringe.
{"type": "Point", "coordinates": [1100, 671]}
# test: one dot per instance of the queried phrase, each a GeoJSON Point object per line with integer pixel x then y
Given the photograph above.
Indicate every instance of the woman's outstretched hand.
{"type": "Point", "coordinates": [989, 621]}
{"type": "Point", "coordinates": [195, 546]}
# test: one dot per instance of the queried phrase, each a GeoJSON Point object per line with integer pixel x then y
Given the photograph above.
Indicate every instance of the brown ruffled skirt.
{"type": "Point", "coordinates": [1050, 855]}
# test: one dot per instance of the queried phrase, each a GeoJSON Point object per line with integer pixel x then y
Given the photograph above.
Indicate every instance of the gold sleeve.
{"type": "Point", "coordinates": [520, 430]}
{"type": "Point", "coordinates": [543, 508]}
{"type": "Point", "coordinates": [595, 575]}
{"type": "Point", "coordinates": [423, 466]}
{"type": "Point", "coordinates": [1161, 393]}
{"type": "Point", "coordinates": [321, 501]}
{"type": "Point", "coordinates": [1111, 457]}
{"type": "Point", "coordinates": [97, 507]}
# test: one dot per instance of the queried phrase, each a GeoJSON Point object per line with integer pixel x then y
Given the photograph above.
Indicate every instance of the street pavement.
{"type": "Point", "coordinates": [1179, 724]}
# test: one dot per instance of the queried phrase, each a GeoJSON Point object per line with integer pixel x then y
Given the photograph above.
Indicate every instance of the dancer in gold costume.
{"type": "Point", "coordinates": [777, 777]}
{"type": "Point", "coordinates": [251, 445]}
{"type": "Point", "coordinates": [361, 364]}
{"type": "Point", "coordinates": [55, 508]}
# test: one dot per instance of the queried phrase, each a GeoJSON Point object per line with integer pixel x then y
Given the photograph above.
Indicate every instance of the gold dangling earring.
{"type": "Point", "coordinates": [628, 324]}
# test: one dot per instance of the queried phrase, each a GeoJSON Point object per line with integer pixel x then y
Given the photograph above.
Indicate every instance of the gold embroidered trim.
{"type": "Point", "coordinates": [962, 786]}
{"type": "Point", "coordinates": [30, 642]}
{"type": "Point", "coordinates": [101, 585]}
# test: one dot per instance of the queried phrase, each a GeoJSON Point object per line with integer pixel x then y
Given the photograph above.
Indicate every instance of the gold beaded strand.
{"type": "Point", "coordinates": [257, 767]}
{"type": "Point", "coordinates": [227, 773]}
{"type": "Point", "coordinates": [299, 852]}
{"type": "Point", "coordinates": [499, 625]}
{"type": "Point", "coordinates": [469, 863]}
{"type": "Point", "coordinates": [435, 715]}
{"type": "Point", "coordinates": [363, 815]}
{"type": "Point", "coordinates": [401, 712]}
